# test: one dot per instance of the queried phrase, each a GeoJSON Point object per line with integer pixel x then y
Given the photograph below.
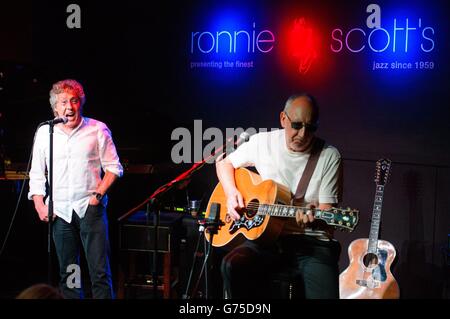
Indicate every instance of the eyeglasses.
{"type": "Point", "coordinates": [73, 100]}
{"type": "Point", "coordinates": [300, 125]}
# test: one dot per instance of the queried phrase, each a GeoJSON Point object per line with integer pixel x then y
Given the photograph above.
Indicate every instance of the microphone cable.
{"type": "Point", "coordinates": [20, 196]}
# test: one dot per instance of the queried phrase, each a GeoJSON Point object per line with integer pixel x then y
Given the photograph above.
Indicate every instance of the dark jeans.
{"type": "Point", "coordinates": [248, 268]}
{"type": "Point", "coordinates": [92, 231]}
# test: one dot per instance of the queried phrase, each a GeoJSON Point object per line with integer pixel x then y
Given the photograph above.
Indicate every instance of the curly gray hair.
{"type": "Point", "coordinates": [63, 86]}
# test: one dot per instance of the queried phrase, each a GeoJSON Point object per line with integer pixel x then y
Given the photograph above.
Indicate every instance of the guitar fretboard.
{"type": "Point", "coordinates": [337, 217]}
{"type": "Point", "coordinates": [277, 210]}
{"type": "Point", "coordinates": [376, 219]}
{"type": "Point", "coordinates": [289, 211]}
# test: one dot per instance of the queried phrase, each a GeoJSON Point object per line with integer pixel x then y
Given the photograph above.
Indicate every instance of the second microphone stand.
{"type": "Point", "coordinates": [210, 225]}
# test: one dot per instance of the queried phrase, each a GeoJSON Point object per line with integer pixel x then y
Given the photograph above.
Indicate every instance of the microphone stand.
{"type": "Point", "coordinates": [50, 206]}
{"type": "Point", "coordinates": [201, 231]}
{"type": "Point", "coordinates": [212, 228]}
{"type": "Point", "coordinates": [50, 214]}
{"type": "Point", "coordinates": [153, 199]}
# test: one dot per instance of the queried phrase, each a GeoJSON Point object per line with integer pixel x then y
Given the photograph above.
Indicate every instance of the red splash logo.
{"type": "Point", "coordinates": [302, 44]}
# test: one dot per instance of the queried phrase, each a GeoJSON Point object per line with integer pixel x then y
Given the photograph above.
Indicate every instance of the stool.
{"type": "Point", "coordinates": [137, 283]}
{"type": "Point", "coordinates": [136, 244]}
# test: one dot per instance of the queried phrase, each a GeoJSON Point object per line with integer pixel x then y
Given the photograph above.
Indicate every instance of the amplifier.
{"type": "Point", "coordinates": [142, 238]}
{"type": "Point", "coordinates": [137, 233]}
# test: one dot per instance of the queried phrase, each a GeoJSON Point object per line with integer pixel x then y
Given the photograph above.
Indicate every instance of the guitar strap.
{"type": "Point", "coordinates": [309, 170]}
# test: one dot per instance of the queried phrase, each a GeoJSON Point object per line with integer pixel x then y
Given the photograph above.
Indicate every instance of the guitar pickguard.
{"type": "Point", "coordinates": [246, 223]}
{"type": "Point", "coordinates": [379, 272]}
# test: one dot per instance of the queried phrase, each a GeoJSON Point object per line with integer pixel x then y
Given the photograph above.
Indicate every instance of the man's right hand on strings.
{"type": "Point", "coordinates": [235, 201]}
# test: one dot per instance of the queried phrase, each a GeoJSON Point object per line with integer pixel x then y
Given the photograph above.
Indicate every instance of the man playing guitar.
{"type": "Point", "coordinates": [306, 245]}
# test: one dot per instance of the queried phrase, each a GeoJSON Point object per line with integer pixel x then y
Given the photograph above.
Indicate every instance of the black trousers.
{"type": "Point", "coordinates": [247, 270]}
{"type": "Point", "coordinates": [92, 232]}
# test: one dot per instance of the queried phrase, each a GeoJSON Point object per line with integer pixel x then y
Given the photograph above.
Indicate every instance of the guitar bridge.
{"type": "Point", "coordinates": [368, 283]}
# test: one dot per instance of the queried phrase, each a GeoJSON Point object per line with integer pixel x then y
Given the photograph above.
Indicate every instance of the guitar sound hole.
{"type": "Point", "coordinates": [370, 260]}
{"type": "Point", "coordinates": [252, 208]}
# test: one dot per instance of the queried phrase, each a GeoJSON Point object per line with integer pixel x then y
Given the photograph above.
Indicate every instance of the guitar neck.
{"type": "Point", "coordinates": [376, 219]}
{"type": "Point", "coordinates": [345, 219]}
{"type": "Point", "coordinates": [289, 211]}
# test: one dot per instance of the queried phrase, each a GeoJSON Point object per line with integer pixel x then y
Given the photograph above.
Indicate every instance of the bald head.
{"type": "Point", "coordinates": [299, 120]}
{"type": "Point", "coordinates": [303, 100]}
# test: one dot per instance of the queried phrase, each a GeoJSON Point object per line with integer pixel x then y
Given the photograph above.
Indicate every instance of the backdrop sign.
{"type": "Point", "coordinates": [390, 39]}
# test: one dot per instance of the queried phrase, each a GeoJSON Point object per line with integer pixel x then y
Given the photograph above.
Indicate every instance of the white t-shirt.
{"type": "Point", "coordinates": [268, 153]}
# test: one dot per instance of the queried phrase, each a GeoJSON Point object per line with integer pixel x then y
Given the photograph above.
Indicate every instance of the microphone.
{"type": "Point", "coordinates": [55, 121]}
{"type": "Point", "coordinates": [226, 148]}
{"type": "Point", "coordinates": [213, 222]}
{"type": "Point", "coordinates": [244, 137]}
{"type": "Point", "coordinates": [214, 212]}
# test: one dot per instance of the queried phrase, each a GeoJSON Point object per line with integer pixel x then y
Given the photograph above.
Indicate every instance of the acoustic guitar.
{"type": "Point", "coordinates": [266, 205]}
{"type": "Point", "coordinates": [368, 275]}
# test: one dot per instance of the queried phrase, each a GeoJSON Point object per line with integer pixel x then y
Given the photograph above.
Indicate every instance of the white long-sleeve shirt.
{"type": "Point", "coordinates": [78, 161]}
